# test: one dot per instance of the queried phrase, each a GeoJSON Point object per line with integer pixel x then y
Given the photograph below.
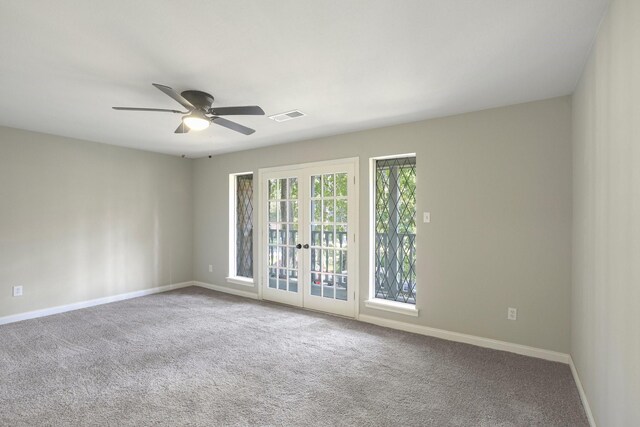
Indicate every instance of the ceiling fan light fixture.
{"type": "Point", "coordinates": [198, 105]}
{"type": "Point", "coordinates": [196, 121]}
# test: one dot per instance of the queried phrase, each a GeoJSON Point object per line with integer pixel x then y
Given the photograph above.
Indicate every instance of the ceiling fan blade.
{"type": "Point", "coordinates": [232, 125]}
{"type": "Point", "coordinates": [175, 95]}
{"type": "Point", "coordinates": [182, 128]}
{"type": "Point", "coordinates": [249, 110]}
{"type": "Point", "coordinates": [149, 109]}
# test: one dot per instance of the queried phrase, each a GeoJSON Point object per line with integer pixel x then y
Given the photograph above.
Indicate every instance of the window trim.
{"type": "Point", "coordinates": [392, 306]}
{"type": "Point", "coordinates": [233, 206]}
{"type": "Point", "coordinates": [372, 301]}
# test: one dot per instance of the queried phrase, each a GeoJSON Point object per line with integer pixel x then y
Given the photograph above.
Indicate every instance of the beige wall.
{"type": "Point", "coordinates": [80, 220]}
{"type": "Point", "coordinates": [498, 186]}
{"type": "Point", "coordinates": [606, 227]}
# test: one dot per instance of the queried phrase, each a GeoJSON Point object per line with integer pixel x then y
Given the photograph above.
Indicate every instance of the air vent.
{"type": "Point", "coordinates": [289, 115]}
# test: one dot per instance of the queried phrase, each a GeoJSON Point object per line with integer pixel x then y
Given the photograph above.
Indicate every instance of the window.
{"type": "Point", "coordinates": [241, 228]}
{"type": "Point", "coordinates": [394, 231]}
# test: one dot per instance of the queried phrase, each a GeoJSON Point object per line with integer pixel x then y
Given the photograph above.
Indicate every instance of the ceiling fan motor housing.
{"type": "Point", "coordinates": [202, 100]}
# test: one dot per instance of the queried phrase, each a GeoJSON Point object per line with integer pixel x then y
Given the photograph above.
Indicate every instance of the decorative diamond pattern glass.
{"type": "Point", "coordinates": [283, 234]}
{"type": "Point", "coordinates": [328, 231]}
{"type": "Point", "coordinates": [244, 225]}
{"type": "Point", "coordinates": [395, 230]}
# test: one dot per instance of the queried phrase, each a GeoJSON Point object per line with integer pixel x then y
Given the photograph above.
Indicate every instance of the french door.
{"type": "Point", "coordinates": [308, 234]}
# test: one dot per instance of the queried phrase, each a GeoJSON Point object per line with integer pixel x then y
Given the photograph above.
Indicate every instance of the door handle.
{"type": "Point", "coordinates": [306, 246]}
{"type": "Point", "coordinates": [298, 246]}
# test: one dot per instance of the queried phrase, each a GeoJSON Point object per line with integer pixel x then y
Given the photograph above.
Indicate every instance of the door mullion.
{"type": "Point", "coordinates": [304, 266]}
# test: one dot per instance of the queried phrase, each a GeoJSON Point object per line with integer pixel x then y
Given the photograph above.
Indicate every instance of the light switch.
{"type": "Point", "coordinates": [426, 217]}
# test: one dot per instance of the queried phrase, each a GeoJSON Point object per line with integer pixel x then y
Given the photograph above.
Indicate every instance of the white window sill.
{"type": "Point", "coordinates": [244, 281]}
{"type": "Point", "coordinates": [392, 306]}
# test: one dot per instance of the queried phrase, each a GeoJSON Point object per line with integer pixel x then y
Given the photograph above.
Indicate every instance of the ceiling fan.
{"type": "Point", "coordinates": [200, 113]}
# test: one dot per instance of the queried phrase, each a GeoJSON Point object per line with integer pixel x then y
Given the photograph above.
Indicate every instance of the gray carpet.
{"type": "Point", "coordinates": [199, 358]}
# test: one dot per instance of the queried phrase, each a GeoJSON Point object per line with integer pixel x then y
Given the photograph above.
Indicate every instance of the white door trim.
{"type": "Point", "coordinates": [353, 276]}
{"type": "Point", "coordinates": [354, 160]}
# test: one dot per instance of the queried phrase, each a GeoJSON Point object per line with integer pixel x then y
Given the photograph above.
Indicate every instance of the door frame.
{"type": "Point", "coordinates": [261, 223]}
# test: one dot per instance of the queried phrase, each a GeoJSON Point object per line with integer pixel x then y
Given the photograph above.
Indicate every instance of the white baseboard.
{"type": "Point", "coordinates": [408, 327]}
{"type": "Point", "coordinates": [90, 303]}
{"type": "Point", "coordinates": [227, 290]}
{"type": "Point", "coordinates": [583, 395]}
{"type": "Point", "coordinates": [553, 356]}
{"type": "Point", "coordinates": [468, 339]}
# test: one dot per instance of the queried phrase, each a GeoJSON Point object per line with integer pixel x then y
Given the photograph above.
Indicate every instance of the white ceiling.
{"type": "Point", "coordinates": [348, 64]}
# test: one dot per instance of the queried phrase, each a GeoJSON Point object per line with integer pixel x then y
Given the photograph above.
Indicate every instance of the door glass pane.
{"type": "Point", "coordinates": [327, 285]}
{"type": "Point", "coordinates": [282, 189]}
{"type": "Point", "coordinates": [341, 210]}
{"type": "Point", "coordinates": [273, 189]}
{"type": "Point", "coordinates": [281, 230]}
{"type": "Point", "coordinates": [316, 210]}
{"type": "Point", "coordinates": [327, 185]}
{"type": "Point", "coordinates": [341, 184]}
{"type": "Point", "coordinates": [293, 188]}
{"type": "Point", "coordinates": [293, 211]}
{"type": "Point", "coordinates": [315, 260]}
{"type": "Point", "coordinates": [327, 214]}
{"type": "Point", "coordinates": [329, 261]}
{"type": "Point", "coordinates": [273, 276]}
{"type": "Point", "coordinates": [341, 262]}
{"type": "Point", "coordinates": [282, 211]}
{"type": "Point", "coordinates": [316, 289]}
{"type": "Point", "coordinates": [316, 235]}
{"type": "Point", "coordinates": [273, 259]}
{"type": "Point", "coordinates": [341, 288]}
{"type": "Point", "coordinates": [273, 234]}
{"type": "Point", "coordinates": [316, 186]}
{"type": "Point", "coordinates": [273, 211]}
{"type": "Point", "coordinates": [293, 280]}
{"type": "Point", "coordinates": [293, 235]}
{"type": "Point", "coordinates": [292, 257]}
{"type": "Point", "coordinates": [328, 236]}
{"type": "Point", "coordinates": [341, 236]}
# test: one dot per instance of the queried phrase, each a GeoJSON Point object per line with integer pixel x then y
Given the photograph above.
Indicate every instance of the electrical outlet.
{"type": "Point", "coordinates": [210, 268]}
{"type": "Point", "coordinates": [17, 291]}
{"type": "Point", "coordinates": [512, 313]}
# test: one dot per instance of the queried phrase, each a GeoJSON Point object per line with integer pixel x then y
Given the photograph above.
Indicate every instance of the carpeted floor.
{"type": "Point", "coordinates": [201, 358]}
